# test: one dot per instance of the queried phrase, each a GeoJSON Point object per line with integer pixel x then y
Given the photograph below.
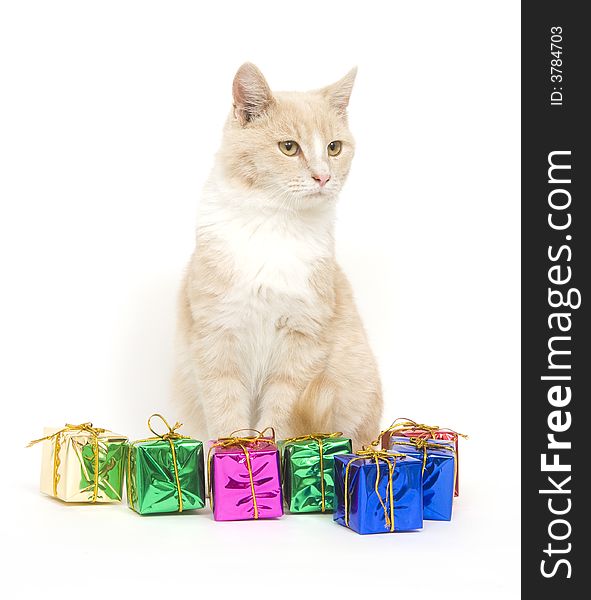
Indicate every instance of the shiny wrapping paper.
{"type": "Point", "coordinates": [69, 465]}
{"type": "Point", "coordinates": [431, 433]}
{"type": "Point", "coordinates": [230, 480]}
{"type": "Point", "coordinates": [152, 478]}
{"type": "Point", "coordinates": [365, 511]}
{"type": "Point", "coordinates": [303, 483]}
{"type": "Point", "coordinates": [438, 474]}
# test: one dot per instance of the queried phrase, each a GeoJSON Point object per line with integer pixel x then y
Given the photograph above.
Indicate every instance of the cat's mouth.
{"type": "Point", "coordinates": [320, 192]}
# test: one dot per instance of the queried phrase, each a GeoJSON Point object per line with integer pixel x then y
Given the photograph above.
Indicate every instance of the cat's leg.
{"type": "Point", "coordinates": [222, 382]}
{"type": "Point", "coordinates": [212, 379]}
{"type": "Point", "coordinates": [298, 361]}
{"type": "Point", "coordinates": [339, 401]}
{"type": "Point", "coordinates": [352, 369]}
{"type": "Point", "coordinates": [346, 396]}
{"type": "Point", "coordinates": [357, 413]}
{"type": "Point", "coordinates": [352, 376]}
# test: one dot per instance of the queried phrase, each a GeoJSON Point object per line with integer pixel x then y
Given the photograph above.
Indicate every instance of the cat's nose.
{"type": "Point", "coordinates": [322, 178]}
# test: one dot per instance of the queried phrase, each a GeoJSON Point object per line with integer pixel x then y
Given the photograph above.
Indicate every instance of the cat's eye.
{"type": "Point", "coordinates": [334, 148]}
{"type": "Point", "coordinates": [289, 148]}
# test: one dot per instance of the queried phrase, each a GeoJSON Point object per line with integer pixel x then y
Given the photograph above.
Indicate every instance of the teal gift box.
{"type": "Point", "coordinates": [307, 470]}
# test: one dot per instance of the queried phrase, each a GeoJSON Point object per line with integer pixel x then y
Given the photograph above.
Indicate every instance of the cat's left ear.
{"type": "Point", "coordinates": [339, 93]}
{"type": "Point", "coordinates": [251, 93]}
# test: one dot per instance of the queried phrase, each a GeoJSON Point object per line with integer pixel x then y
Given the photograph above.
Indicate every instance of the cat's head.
{"type": "Point", "coordinates": [294, 147]}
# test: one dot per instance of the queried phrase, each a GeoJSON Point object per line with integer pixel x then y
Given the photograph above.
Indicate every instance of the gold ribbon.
{"type": "Point", "coordinates": [425, 445]}
{"type": "Point", "coordinates": [169, 436]}
{"type": "Point", "coordinates": [244, 443]}
{"type": "Point", "coordinates": [318, 437]}
{"type": "Point", "coordinates": [404, 424]}
{"type": "Point", "coordinates": [376, 455]}
{"type": "Point", "coordinates": [88, 428]}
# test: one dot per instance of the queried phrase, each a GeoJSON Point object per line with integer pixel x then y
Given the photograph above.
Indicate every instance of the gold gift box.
{"type": "Point", "coordinates": [82, 463]}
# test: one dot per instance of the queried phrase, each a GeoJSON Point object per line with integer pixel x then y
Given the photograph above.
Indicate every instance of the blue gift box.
{"type": "Point", "coordinates": [438, 461]}
{"type": "Point", "coordinates": [398, 503]}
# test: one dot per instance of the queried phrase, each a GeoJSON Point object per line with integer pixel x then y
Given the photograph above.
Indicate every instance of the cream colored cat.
{"type": "Point", "coordinates": [268, 329]}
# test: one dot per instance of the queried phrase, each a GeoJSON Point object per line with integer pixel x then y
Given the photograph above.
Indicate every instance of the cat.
{"type": "Point", "coordinates": [268, 332]}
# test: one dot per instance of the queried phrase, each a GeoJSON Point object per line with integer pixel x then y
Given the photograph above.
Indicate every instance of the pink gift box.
{"type": "Point", "coordinates": [418, 432]}
{"type": "Point", "coordinates": [232, 482]}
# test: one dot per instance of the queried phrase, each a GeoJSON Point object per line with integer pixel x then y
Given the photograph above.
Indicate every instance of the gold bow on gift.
{"type": "Point", "coordinates": [404, 424]}
{"type": "Point", "coordinates": [425, 445]}
{"type": "Point", "coordinates": [376, 455]}
{"type": "Point", "coordinates": [169, 436]}
{"type": "Point", "coordinates": [242, 442]}
{"type": "Point", "coordinates": [57, 436]}
{"type": "Point", "coordinates": [318, 437]}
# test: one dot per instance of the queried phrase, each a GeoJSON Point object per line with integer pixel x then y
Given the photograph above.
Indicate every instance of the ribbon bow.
{"type": "Point", "coordinates": [318, 437]}
{"type": "Point", "coordinates": [169, 436]}
{"type": "Point", "coordinates": [376, 455]}
{"type": "Point", "coordinates": [425, 445]}
{"type": "Point", "coordinates": [423, 431]}
{"type": "Point", "coordinates": [86, 427]}
{"type": "Point", "coordinates": [404, 424]}
{"type": "Point", "coordinates": [244, 443]}
{"type": "Point", "coordinates": [408, 425]}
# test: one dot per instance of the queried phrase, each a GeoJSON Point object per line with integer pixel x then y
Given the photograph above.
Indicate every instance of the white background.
{"type": "Point", "coordinates": [110, 114]}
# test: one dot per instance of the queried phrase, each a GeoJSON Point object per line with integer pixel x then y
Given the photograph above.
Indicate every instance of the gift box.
{"type": "Point", "coordinates": [439, 473]}
{"type": "Point", "coordinates": [82, 463]}
{"type": "Point", "coordinates": [307, 470]}
{"type": "Point", "coordinates": [243, 478]}
{"type": "Point", "coordinates": [378, 491]}
{"type": "Point", "coordinates": [165, 473]}
{"type": "Point", "coordinates": [410, 428]}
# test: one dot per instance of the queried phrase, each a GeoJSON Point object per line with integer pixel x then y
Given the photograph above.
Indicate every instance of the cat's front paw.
{"type": "Point", "coordinates": [307, 327]}
{"type": "Point", "coordinates": [282, 322]}
{"type": "Point", "coordinates": [290, 324]}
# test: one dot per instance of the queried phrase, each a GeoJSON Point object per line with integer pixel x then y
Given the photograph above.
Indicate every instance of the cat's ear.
{"type": "Point", "coordinates": [339, 93]}
{"type": "Point", "coordinates": [251, 92]}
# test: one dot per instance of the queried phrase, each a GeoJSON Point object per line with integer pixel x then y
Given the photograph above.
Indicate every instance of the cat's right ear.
{"type": "Point", "coordinates": [339, 93]}
{"type": "Point", "coordinates": [251, 92]}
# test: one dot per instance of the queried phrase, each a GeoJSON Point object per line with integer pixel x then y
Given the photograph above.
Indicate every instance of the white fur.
{"type": "Point", "coordinates": [318, 161]}
{"type": "Point", "coordinates": [272, 255]}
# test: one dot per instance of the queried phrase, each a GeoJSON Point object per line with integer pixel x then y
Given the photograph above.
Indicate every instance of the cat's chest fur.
{"type": "Point", "coordinates": [272, 261]}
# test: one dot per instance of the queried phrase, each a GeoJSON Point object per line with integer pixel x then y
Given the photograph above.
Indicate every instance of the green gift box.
{"type": "Point", "coordinates": [165, 473]}
{"type": "Point", "coordinates": [307, 467]}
